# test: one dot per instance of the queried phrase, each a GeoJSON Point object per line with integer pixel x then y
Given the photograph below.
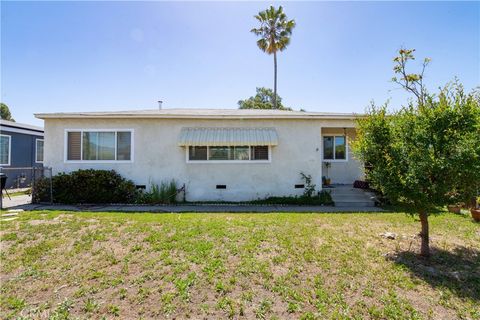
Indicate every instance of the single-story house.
{"type": "Point", "coordinates": [219, 154]}
{"type": "Point", "coordinates": [21, 149]}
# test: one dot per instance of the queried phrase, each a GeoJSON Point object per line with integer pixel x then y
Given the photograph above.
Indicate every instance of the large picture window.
{"type": "Point", "coordinates": [228, 153]}
{"type": "Point", "coordinates": [334, 148]}
{"type": "Point", "coordinates": [5, 145]}
{"type": "Point", "coordinates": [101, 145]}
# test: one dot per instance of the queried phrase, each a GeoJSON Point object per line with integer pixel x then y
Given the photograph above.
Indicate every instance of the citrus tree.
{"type": "Point", "coordinates": [427, 154]}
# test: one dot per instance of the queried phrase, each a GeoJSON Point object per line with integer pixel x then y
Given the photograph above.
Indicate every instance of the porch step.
{"type": "Point", "coordinates": [347, 196]}
{"type": "Point", "coordinates": [360, 204]}
{"type": "Point", "coordinates": [353, 197]}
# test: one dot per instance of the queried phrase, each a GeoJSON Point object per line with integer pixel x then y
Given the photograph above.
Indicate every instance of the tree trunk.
{"type": "Point", "coordinates": [425, 248]}
{"type": "Point", "coordinates": [275, 80]}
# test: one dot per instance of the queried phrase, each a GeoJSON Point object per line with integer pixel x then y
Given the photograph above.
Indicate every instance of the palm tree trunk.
{"type": "Point", "coordinates": [275, 80]}
{"type": "Point", "coordinates": [425, 248]}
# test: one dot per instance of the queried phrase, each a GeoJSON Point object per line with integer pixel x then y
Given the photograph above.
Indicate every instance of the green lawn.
{"type": "Point", "coordinates": [61, 265]}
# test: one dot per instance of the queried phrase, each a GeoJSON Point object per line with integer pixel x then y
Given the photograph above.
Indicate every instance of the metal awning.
{"type": "Point", "coordinates": [228, 137]}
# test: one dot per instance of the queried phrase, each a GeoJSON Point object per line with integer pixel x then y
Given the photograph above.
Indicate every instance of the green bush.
{"type": "Point", "coordinates": [165, 193]}
{"type": "Point", "coordinates": [86, 186]}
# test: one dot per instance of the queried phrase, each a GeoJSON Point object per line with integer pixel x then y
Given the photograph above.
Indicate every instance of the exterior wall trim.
{"type": "Point", "coordinates": [6, 128]}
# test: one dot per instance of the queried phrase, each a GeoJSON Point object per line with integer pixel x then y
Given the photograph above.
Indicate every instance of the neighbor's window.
{"type": "Point", "coordinates": [5, 144]}
{"type": "Point", "coordinates": [39, 150]}
{"type": "Point", "coordinates": [334, 148]}
{"type": "Point", "coordinates": [226, 153]}
{"type": "Point", "coordinates": [99, 145]}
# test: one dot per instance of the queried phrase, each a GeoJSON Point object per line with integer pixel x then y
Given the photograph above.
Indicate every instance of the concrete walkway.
{"type": "Point", "coordinates": [195, 208]}
{"type": "Point", "coordinates": [15, 201]}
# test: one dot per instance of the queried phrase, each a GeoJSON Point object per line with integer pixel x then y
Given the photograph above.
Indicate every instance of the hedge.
{"type": "Point", "coordinates": [86, 186]}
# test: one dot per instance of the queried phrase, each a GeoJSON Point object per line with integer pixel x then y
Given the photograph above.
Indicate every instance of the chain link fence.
{"type": "Point", "coordinates": [22, 180]}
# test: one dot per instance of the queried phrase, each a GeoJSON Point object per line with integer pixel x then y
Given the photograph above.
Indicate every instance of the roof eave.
{"type": "Point", "coordinates": [213, 117]}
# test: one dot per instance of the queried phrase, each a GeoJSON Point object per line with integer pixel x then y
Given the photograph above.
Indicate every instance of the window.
{"type": "Point", "coordinates": [334, 148]}
{"type": "Point", "coordinates": [39, 150]}
{"type": "Point", "coordinates": [228, 153]}
{"type": "Point", "coordinates": [219, 153]}
{"type": "Point", "coordinates": [101, 145]}
{"type": "Point", "coordinates": [197, 153]}
{"type": "Point", "coordinates": [260, 153]}
{"type": "Point", "coordinates": [5, 145]}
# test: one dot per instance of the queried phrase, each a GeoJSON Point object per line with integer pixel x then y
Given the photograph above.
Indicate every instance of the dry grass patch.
{"type": "Point", "coordinates": [61, 265]}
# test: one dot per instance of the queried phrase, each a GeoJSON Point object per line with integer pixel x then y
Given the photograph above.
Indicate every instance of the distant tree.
{"type": "Point", "coordinates": [5, 112]}
{"type": "Point", "coordinates": [262, 100]}
{"type": "Point", "coordinates": [274, 31]}
{"type": "Point", "coordinates": [427, 154]}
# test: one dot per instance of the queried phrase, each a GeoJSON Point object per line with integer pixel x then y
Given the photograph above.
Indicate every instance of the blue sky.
{"type": "Point", "coordinates": [90, 56]}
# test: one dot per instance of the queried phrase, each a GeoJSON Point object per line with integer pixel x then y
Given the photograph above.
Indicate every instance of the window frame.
{"type": "Point", "coordinates": [36, 150]}
{"type": "Point", "coordinates": [9, 150]}
{"type": "Point", "coordinates": [334, 155]}
{"type": "Point", "coordinates": [115, 130]}
{"type": "Point", "coordinates": [249, 161]}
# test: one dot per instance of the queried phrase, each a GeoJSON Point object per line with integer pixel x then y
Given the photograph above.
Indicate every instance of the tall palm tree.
{"type": "Point", "coordinates": [274, 31]}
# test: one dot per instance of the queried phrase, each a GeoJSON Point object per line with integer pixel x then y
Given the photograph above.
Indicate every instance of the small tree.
{"type": "Point", "coordinates": [5, 112]}
{"type": "Point", "coordinates": [425, 155]}
{"type": "Point", "coordinates": [262, 100]}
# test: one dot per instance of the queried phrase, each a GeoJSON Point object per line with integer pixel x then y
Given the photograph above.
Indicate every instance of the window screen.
{"type": "Point", "coordinates": [260, 153]}
{"type": "Point", "coordinates": [340, 148]}
{"type": "Point", "coordinates": [197, 153]}
{"type": "Point", "coordinates": [39, 151]}
{"type": "Point", "coordinates": [4, 150]}
{"type": "Point", "coordinates": [124, 145]}
{"type": "Point", "coordinates": [327, 147]}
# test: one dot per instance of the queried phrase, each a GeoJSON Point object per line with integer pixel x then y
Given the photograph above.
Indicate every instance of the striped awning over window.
{"type": "Point", "coordinates": [228, 137]}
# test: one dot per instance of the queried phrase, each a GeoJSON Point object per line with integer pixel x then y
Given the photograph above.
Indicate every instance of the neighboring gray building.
{"type": "Point", "coordinates": [21, 148]}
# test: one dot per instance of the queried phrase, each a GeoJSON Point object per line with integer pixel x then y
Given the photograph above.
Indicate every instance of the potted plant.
{"type": "Point", "coordinates": [327, 180]}
{"type": "Point", "coordinates": [475, 211]}
{"type": "Point", "coordinates": [455, 208]}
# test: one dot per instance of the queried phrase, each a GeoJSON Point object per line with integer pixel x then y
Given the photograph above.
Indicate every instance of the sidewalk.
{"type": "Point", "coordinates": [192, 208]}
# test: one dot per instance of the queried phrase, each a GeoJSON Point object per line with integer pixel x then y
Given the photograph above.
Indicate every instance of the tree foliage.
{"type": "Point", "coordinates": [262, 100]}
{"type": "Point", "coordinates": [5, 112]}
{"type": "Point", "coordinates": [274, 31]}
{"type": "Point", "coordinates": [425, 155]}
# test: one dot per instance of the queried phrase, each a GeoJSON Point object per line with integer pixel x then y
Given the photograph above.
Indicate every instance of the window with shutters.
{"type": "Point", "coordinates": [99, 145]}
{"type": "Point", "coordinates": [228, 154]}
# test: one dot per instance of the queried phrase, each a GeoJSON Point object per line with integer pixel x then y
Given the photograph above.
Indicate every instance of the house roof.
{"type": "Point", "coordinates": [201, 114]}
{"type": "Point", "coordinates": [20, 127]}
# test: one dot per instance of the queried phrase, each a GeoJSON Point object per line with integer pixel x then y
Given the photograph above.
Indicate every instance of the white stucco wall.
{"type": "Point", "coordinates": [158, 157]}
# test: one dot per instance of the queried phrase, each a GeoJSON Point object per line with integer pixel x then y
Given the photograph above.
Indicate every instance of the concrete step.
{"type": "Point", "coordinates": [353, 197]}
{"type": "Point", "coordinates": [354, 204]}
{"type": "Point", "coordinates": [347, 196]}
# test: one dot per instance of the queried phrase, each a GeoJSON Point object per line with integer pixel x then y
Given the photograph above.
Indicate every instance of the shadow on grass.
{"type": "Point", "coordinates": [458, 271]}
